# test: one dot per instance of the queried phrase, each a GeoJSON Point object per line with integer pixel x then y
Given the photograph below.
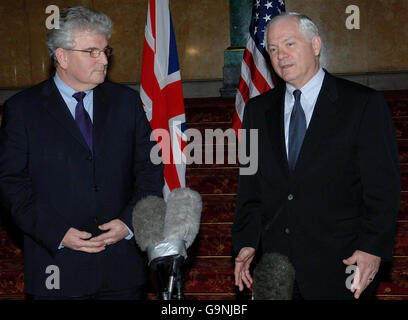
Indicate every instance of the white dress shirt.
{"type": "Point", "coordinates": [67, 92]}
{"type": "Point", "coordinates": [310, 92]}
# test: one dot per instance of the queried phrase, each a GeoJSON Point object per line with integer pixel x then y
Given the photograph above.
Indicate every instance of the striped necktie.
{"type": "Point", "coordinates": [297, 130]}
{"type": "Point", "coordinates": [82, 119]}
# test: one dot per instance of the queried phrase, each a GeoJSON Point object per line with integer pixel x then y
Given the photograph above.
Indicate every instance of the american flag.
{"type": "Point", "coordinates": [162, 93]}
{"type": "Point", "coordinates": [255, 68]}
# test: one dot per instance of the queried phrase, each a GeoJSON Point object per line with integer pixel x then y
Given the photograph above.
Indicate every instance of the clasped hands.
{"type": "Point", "coordinates": [78, 240]}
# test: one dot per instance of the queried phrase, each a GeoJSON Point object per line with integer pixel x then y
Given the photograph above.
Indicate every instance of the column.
{"type": "Point", "coordinates": [240, 18]}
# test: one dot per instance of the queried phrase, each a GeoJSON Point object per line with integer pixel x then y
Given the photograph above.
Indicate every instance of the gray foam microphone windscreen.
{"type": "Point", "coordinates": [148, 221]}
{"type": "Point", "coordinates": [274, 278]}
{"type": "Point", "coordinates": [183, 213]}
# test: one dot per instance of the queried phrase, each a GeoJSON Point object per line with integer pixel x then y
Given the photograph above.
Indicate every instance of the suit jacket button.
{"type": "Point", "coordinates": [96, 188]}
{"type": "Point", "coordinates": [287, 231]}
{"type": "Point", "coordinates": [89, 158]}
{"type": "Point", "coordinates": [290, 197]}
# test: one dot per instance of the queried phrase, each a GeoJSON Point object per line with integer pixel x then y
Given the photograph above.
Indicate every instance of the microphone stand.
{"type": "Point", "coordinates": [161, 266]}
{"type": "Point", "coordinates": [179, 283]}
{"type": "Point", "coordinates": [167, 257]}
{"type": "Point", "coordinates": [176, 278]}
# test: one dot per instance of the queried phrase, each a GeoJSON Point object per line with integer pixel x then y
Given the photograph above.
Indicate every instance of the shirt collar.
{"type": "Point", "coordinates": [65, 90]}
{"type": "Point", "coordinates": [311, 89]}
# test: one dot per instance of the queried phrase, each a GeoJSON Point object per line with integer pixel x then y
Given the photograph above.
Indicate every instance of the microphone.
{"type": "Point", "coordinates": [181, 225]}
{"type": "Point", "coordinates": [274, 278]}
{"type": "Point", "coordinates": [166, 230]}
{"type": "Point", "coordinates": [148, 221]}
{"type": "Point", "coordinates": [183, 213]}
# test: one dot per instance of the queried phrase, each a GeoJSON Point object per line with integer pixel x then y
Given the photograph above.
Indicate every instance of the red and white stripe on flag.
{"type": "Point", "coordinates": [255, 69]}
{"type": "Point", "coordinates": [162, 93]}
{"type": "Point", "coordinates": [255, 79]}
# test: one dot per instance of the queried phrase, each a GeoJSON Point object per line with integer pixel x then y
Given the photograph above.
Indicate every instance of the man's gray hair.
{"type": "Point", "coordinates": [306, 26]}
{"type": "Point", "coordinates": [75, 19]}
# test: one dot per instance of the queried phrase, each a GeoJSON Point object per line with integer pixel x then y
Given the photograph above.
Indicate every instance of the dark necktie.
{"type": "Point", "coordinates": [297, 130]}
{"type": "Point", "coordinates": [82, 119]}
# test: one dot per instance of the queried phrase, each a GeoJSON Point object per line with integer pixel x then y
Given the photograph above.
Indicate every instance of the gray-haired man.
{"type": "Point", "coordinates": [326, 193]}
{"type": "Point", "coordinates": [74, 160]}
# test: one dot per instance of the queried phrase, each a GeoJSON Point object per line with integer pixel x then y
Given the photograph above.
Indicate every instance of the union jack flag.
{"type": "Point", "coordinates": [162, 93]}
{"type": "Point", "coordinates": [255, 68]}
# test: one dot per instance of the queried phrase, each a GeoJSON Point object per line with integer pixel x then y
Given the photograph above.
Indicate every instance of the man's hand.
{"type": "Point", "coordinates": [242, 263]}
{"type": "Point", "coordinates": [79, 241]}
{"type": "Point", "coordinates": [367, 268]}
{"type": "Point", "coordinates": [117, 231]}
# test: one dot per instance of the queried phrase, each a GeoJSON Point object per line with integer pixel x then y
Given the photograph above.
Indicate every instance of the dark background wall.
{"type": "Point", "coordinates": [202, 30]}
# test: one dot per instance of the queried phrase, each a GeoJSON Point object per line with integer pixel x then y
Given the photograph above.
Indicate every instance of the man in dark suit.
{"type": "Point", "coordinates": [74, 160]}
{"type": "Point", "coordinates": [326, 193]}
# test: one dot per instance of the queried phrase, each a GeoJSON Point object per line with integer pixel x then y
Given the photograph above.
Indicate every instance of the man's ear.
{"type": "Point", "coordinates": [62, 57]}
{"type": "Point", "coordinates": [316, 45]}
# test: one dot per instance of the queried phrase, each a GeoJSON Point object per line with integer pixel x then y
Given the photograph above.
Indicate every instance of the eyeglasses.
{"type": "Point", "coordinates": [95, 52]}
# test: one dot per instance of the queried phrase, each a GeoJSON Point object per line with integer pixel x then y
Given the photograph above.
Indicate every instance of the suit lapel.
{"type": "Point", "coordinates": [276, 129]}
{"type": "Point", "coordinates": [100, 116]}
{"type": "Point", "coordinates": [320, 124]}
{"type": "Point", "coordinates": [56, 107]}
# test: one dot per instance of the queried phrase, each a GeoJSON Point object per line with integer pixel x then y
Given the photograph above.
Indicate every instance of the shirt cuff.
{"type": "Point", "coordinates": [130, 236]}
